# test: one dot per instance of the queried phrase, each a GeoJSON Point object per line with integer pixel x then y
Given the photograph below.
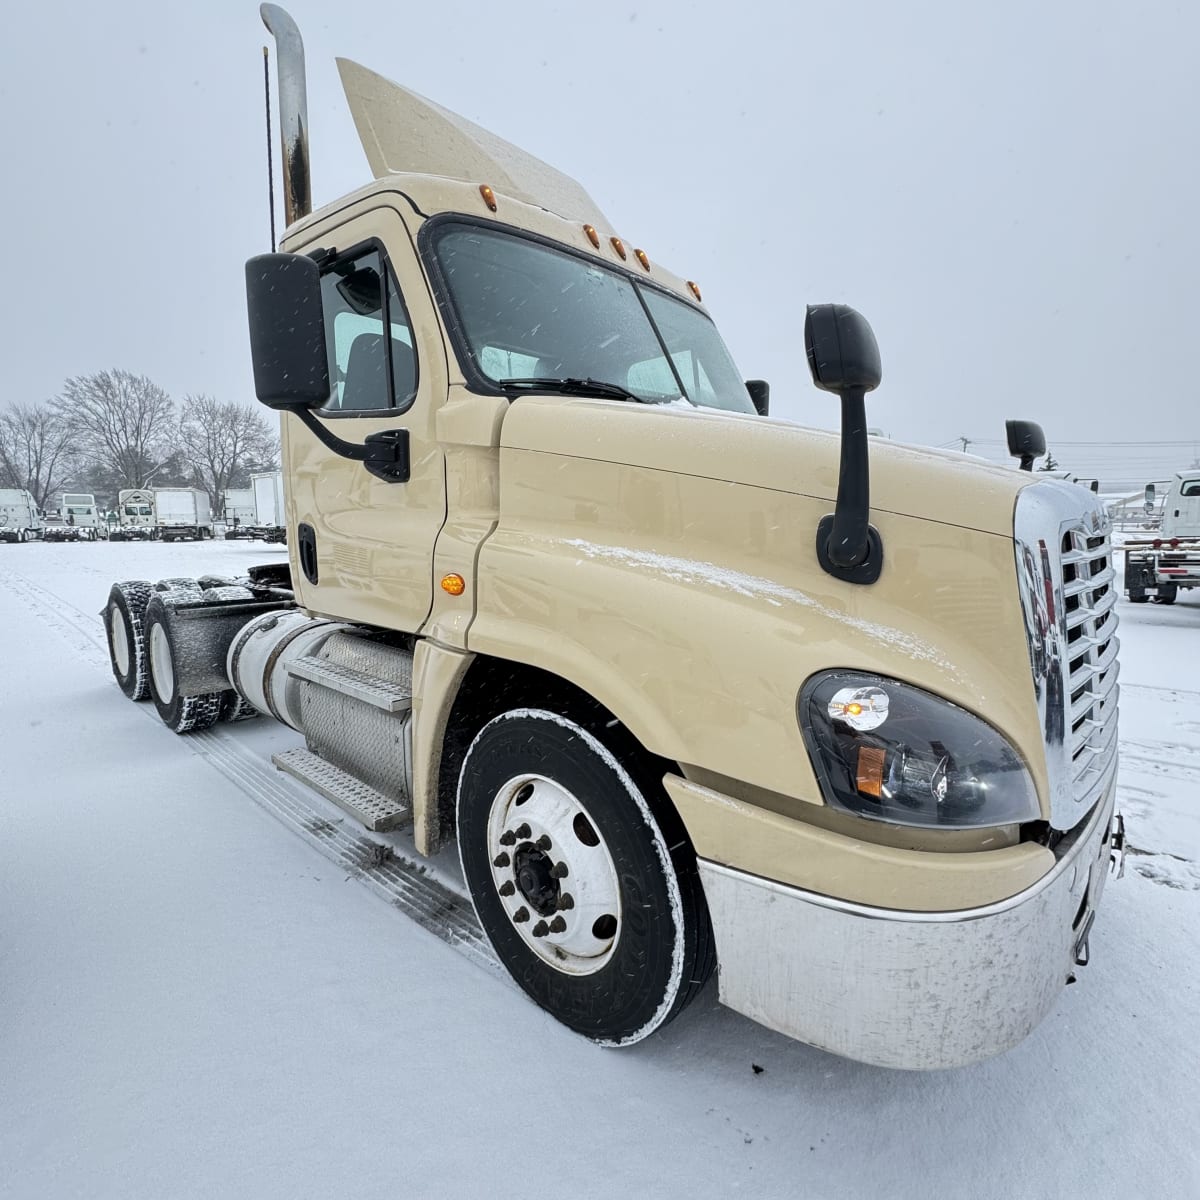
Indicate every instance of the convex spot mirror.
{"type": "Point", "coordinates": [843, 355]}
{"type": "Point", "coordinates": [287, 331]}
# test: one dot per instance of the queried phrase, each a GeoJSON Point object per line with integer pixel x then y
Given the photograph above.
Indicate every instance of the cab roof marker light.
{"type": "Point", "coordinates": [695, 290]}
{"type": "Point", "coordinates": [641, 256]}
{"type": "Point", "coordinates": [592, 235]}
{"type": "Point", "coordinates": [489, 197]}
{"type": "Point", "coordinates": [619, 247]}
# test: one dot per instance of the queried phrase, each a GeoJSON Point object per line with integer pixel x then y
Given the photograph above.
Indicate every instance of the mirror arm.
{"type": "Point", "coordinates": [384, 454]}
{"type": "Point", "coordinates": [848, 546]}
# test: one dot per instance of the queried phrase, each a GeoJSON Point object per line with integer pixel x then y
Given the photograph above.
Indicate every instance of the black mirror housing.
{"type": "Point", "coordinates": [287, 331]}
{"type": "Point", "coordinates": [1026, 441]}
{"type": "Point", "coordinates": [760, 396]}
{"type": "Point", "coordinates": [842, 352]}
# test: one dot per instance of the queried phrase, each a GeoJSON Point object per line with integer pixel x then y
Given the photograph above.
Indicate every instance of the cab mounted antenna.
{"type": "Point", "coordinates": [270, 164]}
{"type": "Point", "coordinates": [293, 111]}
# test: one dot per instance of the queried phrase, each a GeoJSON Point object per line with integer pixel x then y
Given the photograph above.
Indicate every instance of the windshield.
{"type": "Point", "coordinates": [137, 510]}
{"type": "Point", "coordinates": [530, 311]}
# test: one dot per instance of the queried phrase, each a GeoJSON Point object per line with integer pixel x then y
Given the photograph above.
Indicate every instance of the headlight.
{"type": "Point", "coordinates": [891, 752]}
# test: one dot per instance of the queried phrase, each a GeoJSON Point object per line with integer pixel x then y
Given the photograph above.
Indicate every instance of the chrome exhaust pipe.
{"type": "Point", "coordinates": [293, 111]}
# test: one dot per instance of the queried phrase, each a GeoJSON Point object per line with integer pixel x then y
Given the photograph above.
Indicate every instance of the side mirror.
{"type": "Point", "coordinates": [1026, 441]}
{"type": "Point", "coordinates": [844, 359]}
{"type": "Point", "coordinates": [1149, 495]}
{"type": "Point", "coordinates": [287, 331]}
{"type": "Point", "coordinates": [760, 396]}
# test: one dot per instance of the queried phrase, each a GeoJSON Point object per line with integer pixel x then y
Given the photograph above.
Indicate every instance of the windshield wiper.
{"type": "Point", "coordinates": [570, 387]}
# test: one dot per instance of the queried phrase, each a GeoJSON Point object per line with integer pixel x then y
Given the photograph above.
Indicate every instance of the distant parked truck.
{"type": "Point", "coordinates": [270, 517]}
{"type": "Point", "coordinates": [1165, 564]}
{"type": "Point", "coordinates": [79, 512]}
{"type": "Point", "coordinates": [240, 517]}
{"type": "Point", "coordinates": [20, 520]}
{"type": "Point", "coordinates": [135, 516]}
{"type": "Point", "coordinates": [181, 513]}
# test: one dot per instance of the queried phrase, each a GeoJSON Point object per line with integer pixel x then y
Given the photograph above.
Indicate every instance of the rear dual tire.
{"type": "Point", "coordinates": [179, 712]}
{"type": "Point", "coordinates": [124, 621]}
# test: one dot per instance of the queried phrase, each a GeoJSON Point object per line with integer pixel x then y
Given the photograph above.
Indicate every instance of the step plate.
{"type": "Point", "coordinates": [376, 692]}
{"type": "Point", "coordinates": [363, 803]}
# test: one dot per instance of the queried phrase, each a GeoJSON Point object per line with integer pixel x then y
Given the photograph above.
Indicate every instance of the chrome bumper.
{"type": "Point", "coordinates": [917, 991]}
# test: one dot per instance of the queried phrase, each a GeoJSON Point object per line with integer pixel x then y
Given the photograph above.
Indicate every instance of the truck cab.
{"type": "Point", "coordinates": [135, 516]}
{"type": "Point", "coordinates": [1160, 567]}
{"type": "Point", "coordinates": [691, 688]}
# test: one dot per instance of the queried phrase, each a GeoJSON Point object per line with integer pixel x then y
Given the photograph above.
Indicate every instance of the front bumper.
{"type": "Point", "coordinates": [912, 990]}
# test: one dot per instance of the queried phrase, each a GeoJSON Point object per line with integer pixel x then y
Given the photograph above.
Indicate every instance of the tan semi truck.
{"type": "Point", "coordinates": [691, 687]}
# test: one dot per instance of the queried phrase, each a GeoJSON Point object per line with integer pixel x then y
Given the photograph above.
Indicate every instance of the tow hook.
{"type": "Point", "coordinates": [1116, 846]}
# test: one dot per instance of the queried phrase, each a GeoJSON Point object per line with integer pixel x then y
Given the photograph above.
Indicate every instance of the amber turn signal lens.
{"type": "Point", "coordinates": [455, 585]}
{"type": "Point", "coordinates": [619, 247]}
{"type": "Point", "coordinates": [489, 197]}
{"type": "Point", "coordinates": [869, 776]}
{"type": "Point", "coordinates": [695, 289]}
{"type": "Point", "coordinates": [593, 236]}
{"type": "Point", "coordinates": [641, 256]}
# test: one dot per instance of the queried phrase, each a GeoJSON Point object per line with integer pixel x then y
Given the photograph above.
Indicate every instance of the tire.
{"type": "Point", "coordinates": [616, 944]}
{"type": "Point", "coordinates": [1137, 596]}
{"type": "Point", "coordinates": [1167, 593]}
{"type": "Point", "coordinates": [235, 708]}
{"type": "Point", "coordinates": [183, 714]}
{"type": "Point", "coordinates": [124, 620]}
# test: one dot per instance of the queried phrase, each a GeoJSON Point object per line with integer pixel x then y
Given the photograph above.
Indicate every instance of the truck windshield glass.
{"type": "Point", "coordinates": [529, 311]}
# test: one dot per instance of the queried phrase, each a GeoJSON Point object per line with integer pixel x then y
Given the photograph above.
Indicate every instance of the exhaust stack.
{"type": "Point", "coordinates": [293, 111]}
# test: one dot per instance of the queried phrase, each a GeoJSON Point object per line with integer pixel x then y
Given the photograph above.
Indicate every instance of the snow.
{"type": "Point", "coordinates": [196, 1003]}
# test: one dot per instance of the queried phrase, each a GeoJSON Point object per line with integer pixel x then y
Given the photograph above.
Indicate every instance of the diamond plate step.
{"type": "Point", "coordinates": [363, 803]}
{"type": "Point", "coordinates": [368, 688]}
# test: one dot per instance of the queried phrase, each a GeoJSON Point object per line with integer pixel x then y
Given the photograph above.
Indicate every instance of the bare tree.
{"type": "Point", "coordinates": [36, 451]}
{"type": "Point", "coordinates": [127, 420]}
{"type": "Point", "coordinates": [220, 440]}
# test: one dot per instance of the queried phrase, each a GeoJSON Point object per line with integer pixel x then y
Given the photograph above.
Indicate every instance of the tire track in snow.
{"type": "Point", "coordinates": [405, 884]}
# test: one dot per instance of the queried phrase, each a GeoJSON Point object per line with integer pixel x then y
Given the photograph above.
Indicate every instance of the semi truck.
{"type": "Point", "coordinates": [1160, 567]}
{"type": "Point", "coordinates": [81, 519]}
{"type": "Point", "coordinates": [182, 513]}
{"type": "Point", "coordinates": [135, 516]}
{"type": "Point", "coordinates": [691, 689]}
{"type": "Point", "coordinates": [20, 520]}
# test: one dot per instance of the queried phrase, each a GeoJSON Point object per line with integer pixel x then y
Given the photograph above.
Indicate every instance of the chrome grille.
{"type": "Point", "coordinates": [1068, 593]}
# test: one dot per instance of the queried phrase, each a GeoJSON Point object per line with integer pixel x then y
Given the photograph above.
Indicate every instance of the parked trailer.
{"type": "Point", "coordinates": [182, 513]}
{"type": "Point", "coordinates": [238, 516]}
{"type": "Point", "coordinates": [1159, 568]}
{"type": "Point", "coordinates": [135, 516]}
{"type": "Point", "coordinates": [20, 520]}
{"type": "Point", "coordinates": [687, 685]}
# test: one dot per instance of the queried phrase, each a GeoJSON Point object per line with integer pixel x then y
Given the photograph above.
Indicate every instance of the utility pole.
{"type": "Point", "coordinates": [966, 442]}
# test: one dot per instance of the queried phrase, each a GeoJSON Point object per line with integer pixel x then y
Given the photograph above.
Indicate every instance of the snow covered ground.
{"type": "Point", "coordinates": [195, 1002]}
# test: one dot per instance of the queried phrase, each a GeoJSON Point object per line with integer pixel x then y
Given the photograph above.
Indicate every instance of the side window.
{"type": "Point", "coordinates": [368, 370]}
{"type": "Point", "coordinates": [1191, 487]}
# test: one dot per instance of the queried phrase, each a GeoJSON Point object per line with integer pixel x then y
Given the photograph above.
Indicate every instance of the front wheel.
{"type": "Point", "coordinates": [582, 877]}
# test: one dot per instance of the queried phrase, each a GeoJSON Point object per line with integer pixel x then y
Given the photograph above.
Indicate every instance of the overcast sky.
{"type": "Point", "coordinates": [1008, 191]}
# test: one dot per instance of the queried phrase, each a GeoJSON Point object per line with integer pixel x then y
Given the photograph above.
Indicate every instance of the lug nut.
{"type": "Point", "coordinates": [521, 915]}
{"type": "Point", "coordinates": [558, 871]}
{"type": "Point", "coordinates": [540, 929]}
{"type": "Point", "coordinates": [566, 901]}
{"type": "Point", "coordinates": [543, 843]}
{"type": "Point", "coordinates": [501, 860]}
{"type": "Point", "coordinates": [508, 838]}
{"type": "Point", "coordinates": [506, 888]}
{"type": "Point", "coordinates": [558, 925]}
{"type": "Point", "coordinates": [523, 830]}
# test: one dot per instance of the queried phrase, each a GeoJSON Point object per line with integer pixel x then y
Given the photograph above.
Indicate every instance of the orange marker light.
{"type": "Point", "coordinates": [695, 289]}
{"type": "Point", "coordinates": [593, 236]}
{"type": "Point", "coordinates": [454, 585]}
{"type": "Point", "coordinates": [869, 776]}
{"type": "Point", "coordinates": [853, 710]}
{"type": "Point", "coordinates": [489, 197]}
{"type": "Point", "coordinates": [619, 247]}
{"type": "Point", "coordinates": [641, 256]}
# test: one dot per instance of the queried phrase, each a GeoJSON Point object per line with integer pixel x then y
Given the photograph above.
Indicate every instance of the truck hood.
{"type": "Point", "coordinates": [914, 481]}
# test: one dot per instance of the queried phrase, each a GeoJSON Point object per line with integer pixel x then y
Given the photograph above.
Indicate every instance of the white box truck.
{"type": "Point", "coordinates": [269, 511]}
{"type": "Point", "coordinates": [239, 517]}
{"type": "Point", "coordinates": [182, 513]}
{"type": "Point", "coordinates": [20, 520]}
